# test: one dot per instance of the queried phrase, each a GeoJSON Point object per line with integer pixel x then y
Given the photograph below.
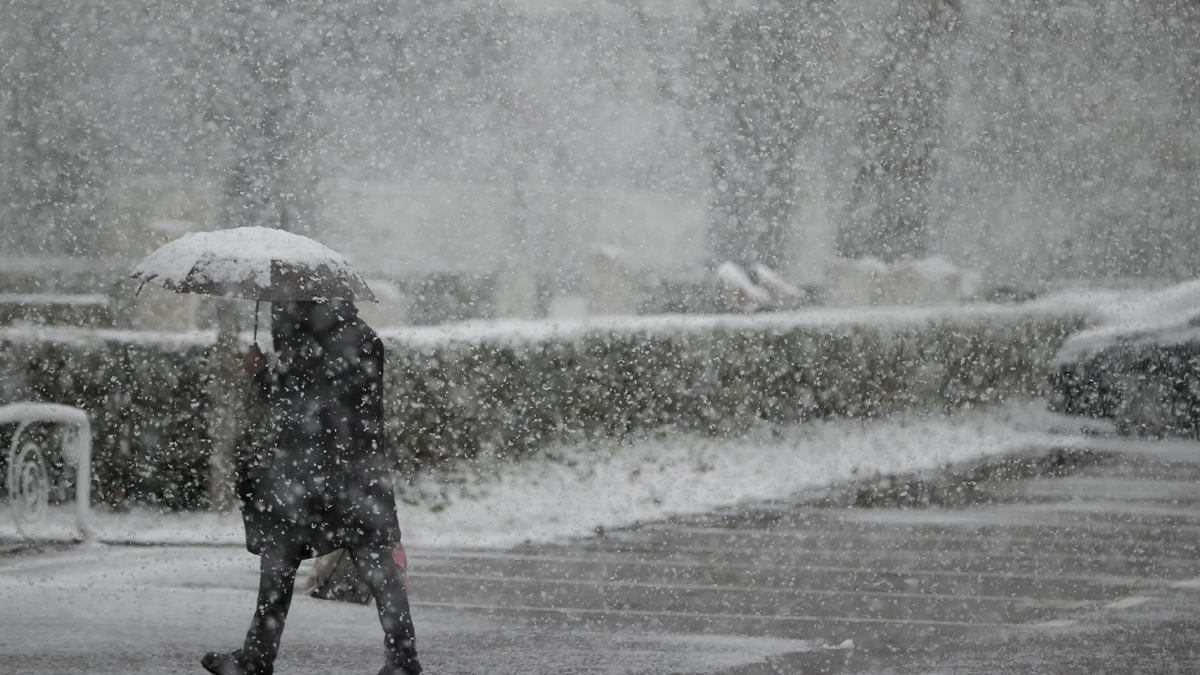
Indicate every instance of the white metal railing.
{"type": "Point", "coordinates": [28, 481]}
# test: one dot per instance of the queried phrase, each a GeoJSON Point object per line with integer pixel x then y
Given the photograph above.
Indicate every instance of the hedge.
{"type": "Point", "coordinates": [146, 395]}
{"type": "Point", "coordinates": [507, 389]}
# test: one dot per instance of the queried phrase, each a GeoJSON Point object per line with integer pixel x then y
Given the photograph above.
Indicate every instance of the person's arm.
{"type": "Point", "coordinates": [254, 362]}
{"type": "Point", "coordinates": [360, 373]}
{"type": "Point", "coordinates": [267, 383]}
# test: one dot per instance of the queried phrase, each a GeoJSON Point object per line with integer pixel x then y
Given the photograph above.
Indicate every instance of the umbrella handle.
{"type": "Point", "coordinates": [256, 302]}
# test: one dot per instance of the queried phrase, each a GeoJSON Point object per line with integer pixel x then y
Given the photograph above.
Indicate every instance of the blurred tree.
{"type": "Point", "coordinates": [536, 103]}
{"type": "Point", "coordinates": [53, 137]}
{"type": "Point", "coordinates": [252, 73]}
{"type": "Point", "coordinates": [901, 117]}
{"type": "Point", "coordinates": [750, 79]}
{"type": "Point", "coordinates": [1074, 144]}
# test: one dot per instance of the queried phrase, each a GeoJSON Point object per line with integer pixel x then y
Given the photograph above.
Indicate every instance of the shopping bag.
{"type": "Point", "coordinates": [333, 576]}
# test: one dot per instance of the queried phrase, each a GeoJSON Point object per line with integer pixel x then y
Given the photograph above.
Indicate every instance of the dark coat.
{"type": "Point", "coordinates": [326, 485]}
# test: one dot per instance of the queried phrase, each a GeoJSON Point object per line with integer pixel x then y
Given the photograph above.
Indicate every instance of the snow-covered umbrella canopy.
{"type": "Point", "coordinates": [255, 263]}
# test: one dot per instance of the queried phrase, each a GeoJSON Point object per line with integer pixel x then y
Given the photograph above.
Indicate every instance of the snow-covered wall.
{"type": "Point", "coordinates": [503, 389]}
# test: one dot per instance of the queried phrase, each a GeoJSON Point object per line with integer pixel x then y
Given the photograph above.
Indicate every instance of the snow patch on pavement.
{"type": "Point", "coordinates": [572, 490]}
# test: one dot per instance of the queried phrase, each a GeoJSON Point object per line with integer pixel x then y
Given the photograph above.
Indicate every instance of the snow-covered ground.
{"type": "Point", "coordinates": [571, 490]}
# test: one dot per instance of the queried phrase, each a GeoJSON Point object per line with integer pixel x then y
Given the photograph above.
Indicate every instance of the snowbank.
{"type": "Point", "coordinates": [569, 491]}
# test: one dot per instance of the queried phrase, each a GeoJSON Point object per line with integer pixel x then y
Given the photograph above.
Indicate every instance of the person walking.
{"type": "Point", "coordinates": [326, 485]}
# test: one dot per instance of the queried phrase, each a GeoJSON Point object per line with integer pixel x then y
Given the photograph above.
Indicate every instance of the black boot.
{"type": "Point", "coordinates": [391, 669]}
{"type": "Point", "coordinates": [233, 664]}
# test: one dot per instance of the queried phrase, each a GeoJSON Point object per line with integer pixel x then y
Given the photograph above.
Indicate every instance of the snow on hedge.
{"type": "Point", "coordinates": [503, 390]}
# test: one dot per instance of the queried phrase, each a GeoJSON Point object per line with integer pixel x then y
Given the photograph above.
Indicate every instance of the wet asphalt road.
{"type": "Point", "coordinates": [1077, 559]}
{"type": "Point", "coordinates": [1026, 562]}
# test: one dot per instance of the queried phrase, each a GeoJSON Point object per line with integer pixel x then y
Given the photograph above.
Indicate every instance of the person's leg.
{"type": "Point", "coordinates": [277, 580]}
{"type": "Point", "coordinates": [383, 575]}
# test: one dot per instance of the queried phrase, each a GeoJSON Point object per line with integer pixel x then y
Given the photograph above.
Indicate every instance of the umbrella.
{"type": "Point", "coordinates": [255, 263]}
